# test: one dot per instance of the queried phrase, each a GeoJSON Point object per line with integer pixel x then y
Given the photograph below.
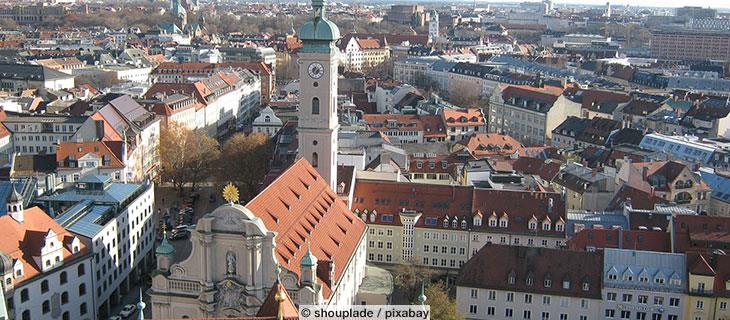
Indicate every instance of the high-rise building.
{"type": "Point", "coordinates": [684, 44]}
{"type": "Point", "coordinates": [695, 12]}
{"type": "Point", "coordinates": [318, 124]}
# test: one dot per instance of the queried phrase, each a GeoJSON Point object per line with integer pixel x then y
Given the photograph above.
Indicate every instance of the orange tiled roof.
{"type": "Point", "coordinates": [368, 43]}
{"type": "Point", "coordinates": [490, 144]}
{"type": "Point", "coordinates": [464, 117]}
{"type": "Point", "coordinates": [271, 306]}
{"type": "Point", "coordinates": [80, 149]}
{"type": "Point", "coordinates": [300, 206]}
{"type": "Point", "coordinates": [110, 134]}
{"type": "Point", "coordinates": [23, 241]}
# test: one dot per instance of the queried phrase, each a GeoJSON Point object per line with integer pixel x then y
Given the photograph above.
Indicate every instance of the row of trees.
{"type": "Point", "coordinates": [191, 157]}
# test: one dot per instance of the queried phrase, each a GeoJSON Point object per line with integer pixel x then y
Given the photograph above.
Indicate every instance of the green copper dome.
{"type": "Point", "coordinates": [319, 28]}
{"type": "Point", "coordinates": [308, 260]}
{"type": "Point", "coordinates": [165, 248]}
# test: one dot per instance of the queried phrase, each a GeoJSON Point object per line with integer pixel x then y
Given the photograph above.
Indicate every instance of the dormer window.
{"type": "Point", "coordinates": [529, 280]}
{"type": "Point", "coordinates": [548, 282]}
{"type": "Point", "coordinates": [559, 227]}
{"type": "Point", "coordinates": [503, 221]}
{"type": "Point", "coordinates": [477, 221]}
{"type": "Point", "coordinates": [463, 224]}
{"type": "Point", "coordinates": [586, 286]}
{"type": "Point", "coordinates": [493, 222]}
{"type": "Point", "coordinates": [455, 224]}
{"type": "Point", "coordinates": [446, 223]}
{"type": "Point", "coordinates": [511, 278]}
{"type": "Point", "coordinates": [566, 284]}
{"type": "Point", "coordinates": [546, 226]}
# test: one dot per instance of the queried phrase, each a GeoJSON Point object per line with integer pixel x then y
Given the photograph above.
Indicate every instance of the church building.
{"type": "Point", "coordinates": [296, 234]}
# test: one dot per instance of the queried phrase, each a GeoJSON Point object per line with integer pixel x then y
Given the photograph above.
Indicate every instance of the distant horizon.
{"type": "Point", "coordinates": [714, 4]}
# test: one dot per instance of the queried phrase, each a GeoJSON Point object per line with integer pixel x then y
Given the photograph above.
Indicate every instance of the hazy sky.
{"type": "Point", "coordinates": [647, 3]}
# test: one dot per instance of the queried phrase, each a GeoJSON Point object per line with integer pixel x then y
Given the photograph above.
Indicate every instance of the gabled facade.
{"type": "Point", "coordinates": [45, 269]}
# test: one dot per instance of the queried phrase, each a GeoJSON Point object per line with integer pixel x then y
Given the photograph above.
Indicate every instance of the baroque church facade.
{"type": "Point", "coordinates": [296, 234]}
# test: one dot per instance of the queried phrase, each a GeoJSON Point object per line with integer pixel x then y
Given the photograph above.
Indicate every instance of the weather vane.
{"type": "Point", "coordinates": [230, 193]}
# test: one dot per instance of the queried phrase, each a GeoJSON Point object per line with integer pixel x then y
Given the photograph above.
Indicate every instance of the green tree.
{"type": "Point", "coordinates": [442, 307]}
{"type": "Point", "coordinates": [244, 162]}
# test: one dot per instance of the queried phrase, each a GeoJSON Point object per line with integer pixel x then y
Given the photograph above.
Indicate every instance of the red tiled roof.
{"type": "Point", "coordinates": [300, 206]}
{"type": "Point", "coordinates": [640, 107]}
{"type": "Point", "coordinates": [433, 126]}
{"type": "Point", "coordinates": [460, 202]}
{"type": "Point", "coordinates": [521, 263]}
{"type": "Point", "coordinates": [546, 94]}
{"type": "Point", "coordinates": [23, 241]}
{"type": "Point", "coordinates": [701, 233]}
{"type": "Point", "coordinates": [545, 168]}
{"type": "Point", "coordinates": [600, 97]}
{"type": "Point", "coordinates": [632, 239]}
{"type": "Point", "coordinates": [639, 199]}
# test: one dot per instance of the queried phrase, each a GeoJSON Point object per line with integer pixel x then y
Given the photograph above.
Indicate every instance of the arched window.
{"type": "Point", "coordinates": [26, 315]}
{"type": "Point", "coordinates": [315, 159]}
{"type": "Point", "coordinates": [267, 119]}
{"type": "Point", "coordinates": [80, 270]}
{"type": "Point", "coordinates": [315, 105]}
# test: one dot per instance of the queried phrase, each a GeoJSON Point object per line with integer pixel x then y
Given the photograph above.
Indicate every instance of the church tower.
{"type": "Point", "coordinates": [318, 123]}
{"type": "Point", "coordinates": [433, 26]}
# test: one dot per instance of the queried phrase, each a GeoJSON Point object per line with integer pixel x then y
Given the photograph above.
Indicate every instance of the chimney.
{"type": "Point", "coordinates": [99, 126]}
{"type": "Point", "coordinates": [620, 238]}
{"type": "Point", "coordinates": [671, 232]}
{"type": "Point", "coordinates": [550, 205]}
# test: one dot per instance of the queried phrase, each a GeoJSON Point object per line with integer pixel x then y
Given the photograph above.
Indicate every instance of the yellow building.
{"type": "Point", "coordinates": [709, 287]}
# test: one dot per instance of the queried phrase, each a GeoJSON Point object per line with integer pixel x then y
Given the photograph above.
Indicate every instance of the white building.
{"type": "Point", "coordinates": [40, 133]}
{"type": "Point", "coordinates": [117, 219]}
{"type": "Point", "coordinates": [139, 130]}
{"type": "Point", "coordinates": [50, 278]}
{"type": "Point", "coordinates": [503, 282]}
{"type": "Point", "coordinates": [267, 122]}
{"type": "Point", "coordinates": [643, 284]}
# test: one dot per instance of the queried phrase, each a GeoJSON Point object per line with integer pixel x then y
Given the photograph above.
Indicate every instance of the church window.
{"type": "Point", "coordinates": [315, 105]}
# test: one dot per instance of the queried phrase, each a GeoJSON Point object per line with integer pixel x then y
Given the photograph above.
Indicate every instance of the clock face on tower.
{"type": "Point", "coordinates": [315, 70]}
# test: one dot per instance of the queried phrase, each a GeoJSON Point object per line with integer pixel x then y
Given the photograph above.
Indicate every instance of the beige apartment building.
{"type": "Point", "coordinates": [529, 113]}
{"type": "Point", "coordinates": [442, 226]}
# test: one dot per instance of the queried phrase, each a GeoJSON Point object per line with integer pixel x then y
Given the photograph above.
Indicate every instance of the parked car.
{"type": "Point", "coordinates": [114, 318]}
{"type": "Point", "coordinates": [128, 311]}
